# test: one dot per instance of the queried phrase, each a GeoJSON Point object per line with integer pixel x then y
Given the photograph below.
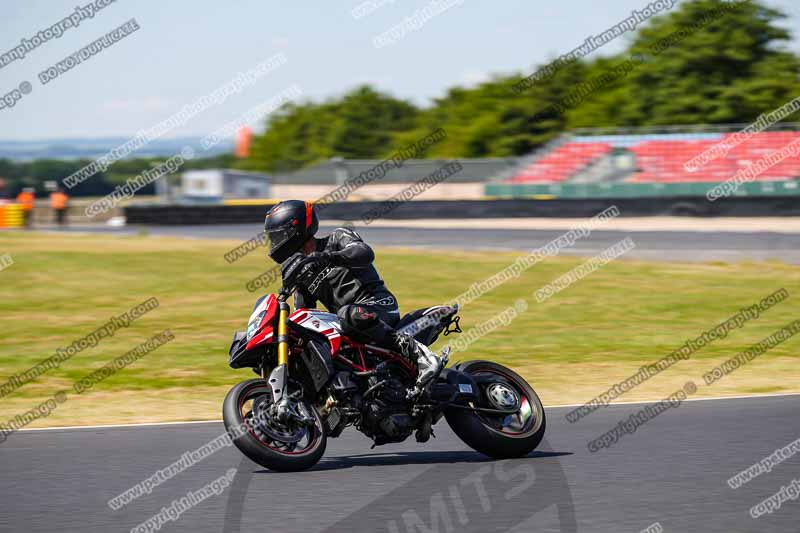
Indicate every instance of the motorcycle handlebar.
{"type": "Point", "coordinates": [284, 293]}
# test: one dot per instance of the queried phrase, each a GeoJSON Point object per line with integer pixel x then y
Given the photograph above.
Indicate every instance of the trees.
{"type": "Point", "coordinates": [361, 124]}
{"type": "Point", "coordinates": [706, 62]}
{"type": "Point", "coordinates": [35, 173]}
{"type": "Point", "coordinates": [711, 62]}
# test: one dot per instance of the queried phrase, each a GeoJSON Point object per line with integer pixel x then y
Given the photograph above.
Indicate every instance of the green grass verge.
{"type": "Point", "coordinates": [573, 346]}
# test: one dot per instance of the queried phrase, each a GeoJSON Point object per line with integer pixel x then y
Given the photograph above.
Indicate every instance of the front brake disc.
{"type": "Point", "coordinates": [266, 424]}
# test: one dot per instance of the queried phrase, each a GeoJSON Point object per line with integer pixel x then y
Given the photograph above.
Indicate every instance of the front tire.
{"type": "Point", "coordinates": [499, 437]}
{"type": "Point", "coordinates": [260, 447]}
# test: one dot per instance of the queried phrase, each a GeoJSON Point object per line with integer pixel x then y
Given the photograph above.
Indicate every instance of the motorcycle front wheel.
{"type": "Point", "coordinates": [280, 447]}
{"type": "Point", "coordinates": [500, 436]}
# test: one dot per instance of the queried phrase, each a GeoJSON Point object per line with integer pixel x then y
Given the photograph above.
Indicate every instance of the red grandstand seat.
{"type": "Point", "coordinates": [663, 160]}
{"type": "Point", "coordinates": [561, 163]}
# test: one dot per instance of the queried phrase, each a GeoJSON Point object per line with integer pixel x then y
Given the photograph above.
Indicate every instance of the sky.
{"type": "Point", "coordinates": [185, 49]}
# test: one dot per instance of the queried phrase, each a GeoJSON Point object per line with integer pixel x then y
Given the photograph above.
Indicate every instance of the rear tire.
{"type": "Point", "coordinates": [256, 448]}
{"type": "Point", "coordinates": [479, 434]}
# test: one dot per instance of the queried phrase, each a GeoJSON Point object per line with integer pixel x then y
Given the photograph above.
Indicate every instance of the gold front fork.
{"type": "Point", "coordinates": [283, 334]}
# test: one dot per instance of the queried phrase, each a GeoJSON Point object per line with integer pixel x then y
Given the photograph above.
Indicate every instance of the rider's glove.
{"type": "Point", "coordinates": [312, 266]}
{"type": "Point", "coordinates": [289, 267]}
{"type": "Point", "coordinates": [302, 268]}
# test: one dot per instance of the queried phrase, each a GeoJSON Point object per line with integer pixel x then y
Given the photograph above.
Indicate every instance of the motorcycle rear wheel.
{"type": "Point", "coordinates": [499, 436]}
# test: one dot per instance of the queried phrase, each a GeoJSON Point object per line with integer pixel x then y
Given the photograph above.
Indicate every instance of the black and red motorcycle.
{"type": "Point", "coordinates": [315, 382]}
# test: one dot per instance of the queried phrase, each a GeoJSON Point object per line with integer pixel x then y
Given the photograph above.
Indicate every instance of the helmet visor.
{"type": "Point", "coordinates": [279, 236]}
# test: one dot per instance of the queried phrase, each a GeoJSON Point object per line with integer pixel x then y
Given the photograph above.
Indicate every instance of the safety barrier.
{"type": "Point", "coordinates": [635, 190]}
{"type": "Point", "coordinates": [744, 206]}
{"type": "Point", "coordinates": [11, 216]}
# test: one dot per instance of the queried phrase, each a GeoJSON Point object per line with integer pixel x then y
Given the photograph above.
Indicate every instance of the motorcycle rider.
{"type": "Point", "coordinates": [337, 270]}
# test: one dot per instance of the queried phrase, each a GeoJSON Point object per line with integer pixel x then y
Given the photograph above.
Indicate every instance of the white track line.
{"type": "Point", "coordinates": [732, 225]}
{"type": "Point", "coordinates": [156, 424]}
{"type": "Point", "coordinates": [142, 424]}
{"type": "Point", "coordinates": [642, 402]}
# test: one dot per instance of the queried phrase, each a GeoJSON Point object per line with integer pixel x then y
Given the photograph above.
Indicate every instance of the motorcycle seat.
{"type": "Point", "coordinates": [425, 324]}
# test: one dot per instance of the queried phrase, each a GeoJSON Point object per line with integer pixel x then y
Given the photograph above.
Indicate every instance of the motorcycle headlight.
{"type": "Point", "coordinates": [252, 327]}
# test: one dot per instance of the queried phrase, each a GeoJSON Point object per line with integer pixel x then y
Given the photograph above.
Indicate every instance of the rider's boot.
{"type": "Point", "coordinates": [428, 364]}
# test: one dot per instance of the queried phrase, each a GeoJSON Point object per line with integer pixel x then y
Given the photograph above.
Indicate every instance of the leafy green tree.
{"type": "Point", "coordinates": [361, 124]}
{"type": "Point", "coordinates": [710, 62]}
{"type": "Point", "coordinates": [706, 62]}
{"type": "Point", "coordinates": [366, 122]}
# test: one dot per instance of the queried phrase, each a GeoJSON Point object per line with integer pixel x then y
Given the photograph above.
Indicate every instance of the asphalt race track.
{"type": "Point", "coordinates": [672, 470]}
{"type": "Point", "coordinates": [654, 245]}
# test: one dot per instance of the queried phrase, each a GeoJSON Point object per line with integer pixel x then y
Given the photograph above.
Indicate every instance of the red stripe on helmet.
{"type": "Point", "coordinates": [309, 214]}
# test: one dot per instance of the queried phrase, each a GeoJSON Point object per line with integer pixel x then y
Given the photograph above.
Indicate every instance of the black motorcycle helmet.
{"type": "Point", "coordinates": [288, 226]}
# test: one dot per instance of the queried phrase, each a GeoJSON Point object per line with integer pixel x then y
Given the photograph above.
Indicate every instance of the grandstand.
{"type": "Point", "coordinates": [652, 161]}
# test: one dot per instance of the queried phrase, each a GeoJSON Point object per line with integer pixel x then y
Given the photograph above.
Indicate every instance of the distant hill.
{"type": "Point", "coordinates": [93, 148]}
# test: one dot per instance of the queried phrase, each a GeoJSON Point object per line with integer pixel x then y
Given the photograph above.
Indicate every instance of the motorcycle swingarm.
{"type": "Point", "coordinates": [456, 389]}
{"type": "Point", "coordinates": [455, 386]}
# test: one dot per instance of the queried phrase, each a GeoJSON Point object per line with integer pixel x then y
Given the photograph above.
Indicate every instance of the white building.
{"type": "Point", "coordinates": [217, 185]}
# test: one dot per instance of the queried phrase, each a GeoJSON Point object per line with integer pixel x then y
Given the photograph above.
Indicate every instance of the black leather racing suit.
{"type": "Point", "coordinates": [352, 288]}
